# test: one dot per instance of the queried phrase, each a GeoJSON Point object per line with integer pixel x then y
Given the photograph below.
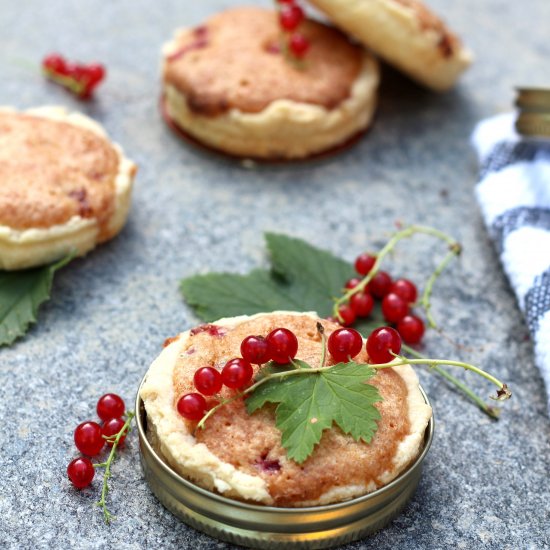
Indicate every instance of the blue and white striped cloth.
{"type": "Point", "coordinates": [514, 195]}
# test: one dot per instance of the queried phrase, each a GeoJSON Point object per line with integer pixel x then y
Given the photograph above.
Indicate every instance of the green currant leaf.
{"type": "Point", "coordinates": [319, 275]}
{"type": "Point", "coordinates": [21, 294]}
{"type": "Point", "coordinates": [312, 402]}
{"type": "Point", "coordinates": [304, 278]}
{"type": "Point", "coordinates": [218, 295]}
{"type": "Point", "coordinates": [274, 368]}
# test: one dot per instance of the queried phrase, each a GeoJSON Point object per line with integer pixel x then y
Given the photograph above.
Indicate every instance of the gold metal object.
{"type": "Point", "coordinates": [534, 112]}
{"type": "Point", "coordinates": [269, 527]}
{"type": "Point", "coordinates": [533, 99]}
{"type": "Point", "coordinates": [533, 124]}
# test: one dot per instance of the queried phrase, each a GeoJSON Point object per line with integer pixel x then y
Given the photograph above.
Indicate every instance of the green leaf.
{"type": "Point", "coordinates": [311, 402]}
{"type": "Point", "coordinates": [274, 368]}
{"type": "Point", "coordinates": [304, 278]}
{"type": "Point", "coordinates": [218, 295]}
{"type": "Point", "coordinates": [318, 274]}
{"type": "Point", "coordinates": [21, 294]}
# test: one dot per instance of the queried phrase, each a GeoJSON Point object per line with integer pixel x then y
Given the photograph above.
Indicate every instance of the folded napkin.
{"type": "Point", "coordinates": [514, 195]}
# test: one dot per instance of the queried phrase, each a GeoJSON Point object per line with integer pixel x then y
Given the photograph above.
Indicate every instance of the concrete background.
{"type": "Point", "coordinates": [485, 483]}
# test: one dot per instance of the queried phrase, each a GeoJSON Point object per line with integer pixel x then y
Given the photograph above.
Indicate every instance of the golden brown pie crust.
{"type": "Point", "coordinates": [234, 61]}
{"type": "Point", "coordinates": [51, 171]}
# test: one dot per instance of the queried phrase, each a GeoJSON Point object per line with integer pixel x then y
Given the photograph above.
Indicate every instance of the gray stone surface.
{"type": "Point", "coordinates": [485, 484]}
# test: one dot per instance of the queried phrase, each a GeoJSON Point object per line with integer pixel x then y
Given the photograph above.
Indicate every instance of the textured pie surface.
{"type": "Point", "coordinates": [234, 61]}
{"type": "Point", "coordinates": [51, 171]}
{"type": "Point", "coordinates": [228, 85]}
{"type": "Point", "coordinates": [405, 33]}
{"type": "Point", "coordinates": [64, 186]}
{"type": "Point", "coordinates": [241, 456]}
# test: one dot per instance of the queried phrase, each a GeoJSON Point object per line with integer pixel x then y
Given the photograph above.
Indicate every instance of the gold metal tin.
{"type": "Point", "coordinates": [269, 527]}
{"type": "Point", "coordinates": [533, 99]}
{"type": "Point", "coordinates": [534, 124]}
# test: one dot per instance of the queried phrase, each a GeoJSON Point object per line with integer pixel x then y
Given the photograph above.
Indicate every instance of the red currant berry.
{"type": "Point", "coordinates": [55, 63]}
{"type": "Point", "coordinates": [77, 71]}
{"type": "Point", "coordinates": [112, 427]}
{"type": "Point", "coordinates": [237, 373]}
{"type": "Point", "coordinates": [255, 349]}
{"type": "Point", "coordinates": [283, 345]}
{"type": "Point", "coordinates": [87, 438]}
{"type": "Point", "coordinates": [411, 329]}
{"type": "Point", "coordinates": [298, 44]}
{"type": "Point", "coordinates": [405, 289]}
{"type": "Point", "coordinates": [110, 406]}
{"type": "Point", "coordinates": [344, 344]}
{"type": "Point", "coordinates": [208, 380]}
{"type": "Point", "coordinates": [361, 303]}
{"type": "Point", "coordinates": [364, 263]}
{"type": "Point", "coordinates": [352, 283]}
{"type": "Point", "coordinates": [95, 73]}
{"type": "Point", "coordinates": [381, 343]}
{"type": "Point", "coordinates": [290, 16]}
{"type": "Point", "coordinates": [192, 406]}
{"type": "Point", "coordinates": [380, 285]}
{"type": "Point", "coordinates": [81, 472]}
{"type": "Point", "coordinates": [394, 308]}
{"type": "Point", "coordinates": [333, 319]}
{"type": "Point", "coordinates": [347, 314]}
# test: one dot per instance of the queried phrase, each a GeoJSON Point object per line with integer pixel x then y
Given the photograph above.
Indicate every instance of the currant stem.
{"type": "Point", "coordinates": [68, 82]}
{"type": "Point", "coordinates": [503, 392]}
{"type": "Point", "coordinates": [321, 331]}
{"type": "Point", "coordinates": [488, 410]}
{"type": "Point", "coordinates": [406, 233]}
{"type": "Point", "coordinates": [454, 251]}
{"type": "Point", "coordinates": [222, 403]}
{"type": "Point", "coordinates": [107, 465]}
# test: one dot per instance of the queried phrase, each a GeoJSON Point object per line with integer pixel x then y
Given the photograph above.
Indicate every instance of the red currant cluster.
{"type": "Point", "coordinates": [280, 345]}
{"type": "Point", "coordinates": [382, 344]}
{"type": "Point", "coordinates": [397, 297]}
{"type": "Point", "coordinates": [77, 78]}
{"type": "Point", "coordinates": [90, 438]}
{"type": "Point", "coordinates": [291, 16]}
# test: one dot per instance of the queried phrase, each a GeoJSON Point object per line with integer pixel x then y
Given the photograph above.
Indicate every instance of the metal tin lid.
{"type": "Point", "coordinates": [533, 99]}
{"type": "Point", "coordinates": [534, 112]}
{"type": "Point", "coordinates": [271, 527]}
{"type": "Point", "coordinates": [533, 124]}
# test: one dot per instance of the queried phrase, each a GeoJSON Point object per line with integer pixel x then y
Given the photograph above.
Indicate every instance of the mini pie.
{"type": "Point", "coordinates": [64, 187]}
{"type": "Point", "coordinates": [228, 85]}
{"type": "Point", "coordinates": [240, 456]}
{"type": "Point", "coordinates": [406, 34]}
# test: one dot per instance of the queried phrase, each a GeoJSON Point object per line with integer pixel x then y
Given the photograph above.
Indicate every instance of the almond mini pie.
{"type": "Point", "coordinates": [229, 85]}
{"type": "Point", "coordinates": [241, 455]}
{"type": "Point", "coordinates": [406, 34]}
{"type": "Point", "coordinates": [64, 187]}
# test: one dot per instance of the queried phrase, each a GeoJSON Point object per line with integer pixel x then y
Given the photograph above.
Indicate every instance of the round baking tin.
{"type": "Point", "coordinates": [266, 527]}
